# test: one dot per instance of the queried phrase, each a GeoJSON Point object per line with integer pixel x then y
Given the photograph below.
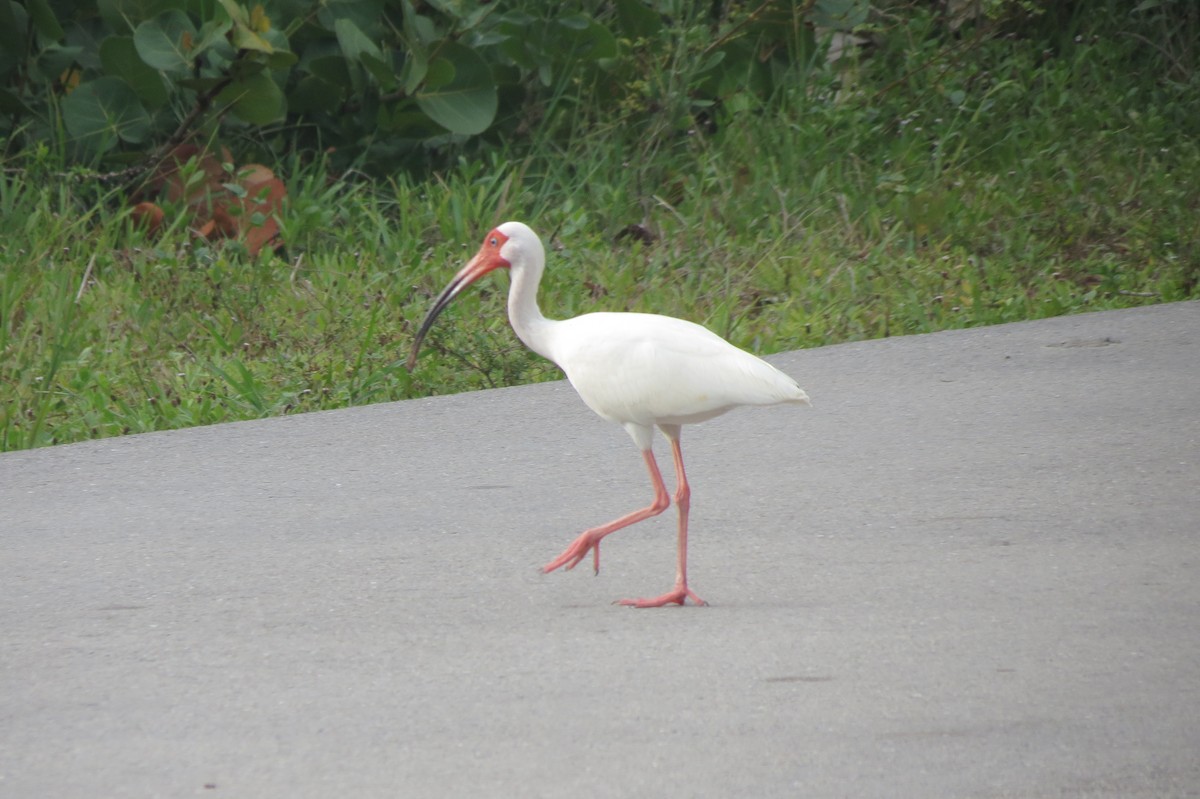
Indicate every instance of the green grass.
{"type": "Point", "coordinates": [926, 191]}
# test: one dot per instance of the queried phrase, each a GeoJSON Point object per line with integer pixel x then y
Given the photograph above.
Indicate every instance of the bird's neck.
{"type": "Point", "coordinates": [524, 314]}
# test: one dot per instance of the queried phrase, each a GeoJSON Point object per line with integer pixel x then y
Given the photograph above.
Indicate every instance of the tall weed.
{"type": "Point", "coordinates": [945, 179]}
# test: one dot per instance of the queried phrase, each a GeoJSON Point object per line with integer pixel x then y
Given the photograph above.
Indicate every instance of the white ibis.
{"type": "Point", "coordinates": [639, 370]}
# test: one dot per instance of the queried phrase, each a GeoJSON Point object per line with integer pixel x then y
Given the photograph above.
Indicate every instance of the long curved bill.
{"type": "Point", "coordinates": [483, 262]}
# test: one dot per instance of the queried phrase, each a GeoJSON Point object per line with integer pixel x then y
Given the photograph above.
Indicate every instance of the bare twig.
{"type": "Point", "coordinates": [87, 274]}
{"type": "Point", "coordinates": [669, 207]}
{"type": "Point", "coordinates": [752, 17]}
{"type": "Point", "coordinates": [184, 131]}
{"type": "Point", "coordinates": [1183, 71]}
{"type": "Point", "coordinates": [942, 54]}
{"type": "Point", "coordinates": [295, 270]}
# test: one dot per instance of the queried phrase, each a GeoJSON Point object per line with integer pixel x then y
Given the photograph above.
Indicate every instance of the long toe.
{"type": "Point", "coordinates": [576, 552]}
{"type": "Point", "coordinates": [678, 596]}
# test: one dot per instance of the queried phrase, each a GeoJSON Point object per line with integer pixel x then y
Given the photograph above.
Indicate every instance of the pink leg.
{"type": "Point", "coordinates": [683, 496]}
{"type": "Point", "coordinates": [590, 539]}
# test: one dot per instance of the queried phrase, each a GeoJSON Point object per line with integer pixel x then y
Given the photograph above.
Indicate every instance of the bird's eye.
{"type": "Point", "coordinates": [493, 241]}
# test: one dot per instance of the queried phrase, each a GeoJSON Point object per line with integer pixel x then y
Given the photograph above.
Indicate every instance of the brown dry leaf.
{"type": "Point", "coordinates": [264, 196]}
{"type": "Point", "coordinates": [207, 230]}
{"type": "Point", "coordinates": [223, 224]}
{"type": "Point", "coordinates": [217, 211]}
{"type": "Point", "coordinates": [148, 215]}
{"type": "Point", "coordinates": [168, 176]}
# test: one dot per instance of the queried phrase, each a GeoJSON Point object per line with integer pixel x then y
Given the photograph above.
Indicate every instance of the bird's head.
{"type": "Point", "coordinates": [512, 243]}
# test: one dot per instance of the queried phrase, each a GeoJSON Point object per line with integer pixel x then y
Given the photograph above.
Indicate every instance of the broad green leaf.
{"type": "Point", "coordinates": [249, 27]}
{"type": "Point", "coordinates": [100, 112]}
{"type": "Point", "coordinates": [637, 20]}
{"type": "Point", "coordinates": [281, 59]}
{"type": "Point", "coordinates": [418, 29]}
{"type": "Point", "coordinates": [410, 122]}
{"type": "Point", "coordinates": [440, 73]}
{"type": "Point", "coordinates": [743, 74]}
{"type": "Point", "coordinates": [257, 99]}
{"type": "Point", "coordinates": [244, 38]}
{"type": "Point", "coordinates": [12, 105]}
{"type": "Point", "coordinates": [594, 41]}
{"type": "Point", "coordinates": [244, 68]}
{"type": "Point", "coordinates": [381, 70]}
{"type": "Point", "coordinates": [414, 71]}
{"type": "Point", "coordinates": [281, 56]}
{"type": "Point", "coordinates": [487, 39]}
{"type": "Point", "coordinates": [212, 35]}
{"type": "Point", "coordinates": [125, 15]}
{"type": "Point", "coordinates": [577, 22]}
{"type": "Point", "coordinates": [355, 46]}
{"type": "Point", "coordinates": [453, 8]}
{"type": "Point", "coordinates": [120, 58]}
{"type": "Point", "coordinates": [517, 18]}
{"type": "Point", "coordinates": [55, 59]}
{"type": "Point", "coordinates": [236, 12]}
{"type": "Point", "coordinates": [517, 41]}
{"type": "Point", "coordinates": [367, 15]}
{"type": "Point", "coordinates": [13, 19]}
{"type": "Point", "coordinates": [331, 69]}
{"type": "Point", "coordinates": [166, 42]}
{"type": "Point", "coordinates": [466, 104]}
{"type": "Point", "coordinates": [416, 60]}
{"type": "Point", "coordinates": [88, 38]}
{"type": "Point", "coordinates": [44, 19]}
{"type": "Point", "coordinates": [712, 62]}
{"type": "Point", "coordinates": [841, 15]}
{"type": "Point", "coordinates": [475, 18]}
{"type": "Point", "coordinates": [313, 94]}
{"type": "Point", "coordinates": [353, 41]}
{"type": "Point", "coordinates": [424, 29]}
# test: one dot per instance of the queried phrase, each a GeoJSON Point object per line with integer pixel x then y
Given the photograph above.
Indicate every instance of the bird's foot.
{"type": "Point", "coordinates": [578, 550]}
{"type": "Point", "coordinates": [676, 596]}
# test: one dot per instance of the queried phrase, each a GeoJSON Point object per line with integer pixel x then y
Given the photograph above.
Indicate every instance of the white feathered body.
{"type": "Point", "coordinates": [647, 369]}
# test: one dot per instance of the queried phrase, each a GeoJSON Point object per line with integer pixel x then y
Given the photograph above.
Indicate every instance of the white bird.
{"type": "Point", "coordinates": [638, 370]}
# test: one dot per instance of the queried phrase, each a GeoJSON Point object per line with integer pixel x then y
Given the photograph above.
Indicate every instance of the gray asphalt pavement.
{"type": "Point", "coordinates": [972, 570]}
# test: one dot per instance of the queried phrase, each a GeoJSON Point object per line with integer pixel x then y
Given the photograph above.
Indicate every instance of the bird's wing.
{"type": "Point", "coordinates": [650, 369]}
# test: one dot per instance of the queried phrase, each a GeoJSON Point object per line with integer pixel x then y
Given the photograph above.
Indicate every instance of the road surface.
{"type": "Point", "coordinates": [972, 570]}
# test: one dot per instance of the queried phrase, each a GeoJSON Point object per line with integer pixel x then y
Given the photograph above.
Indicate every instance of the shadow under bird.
{"type": "Point", "coordinates": [638, 370]}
